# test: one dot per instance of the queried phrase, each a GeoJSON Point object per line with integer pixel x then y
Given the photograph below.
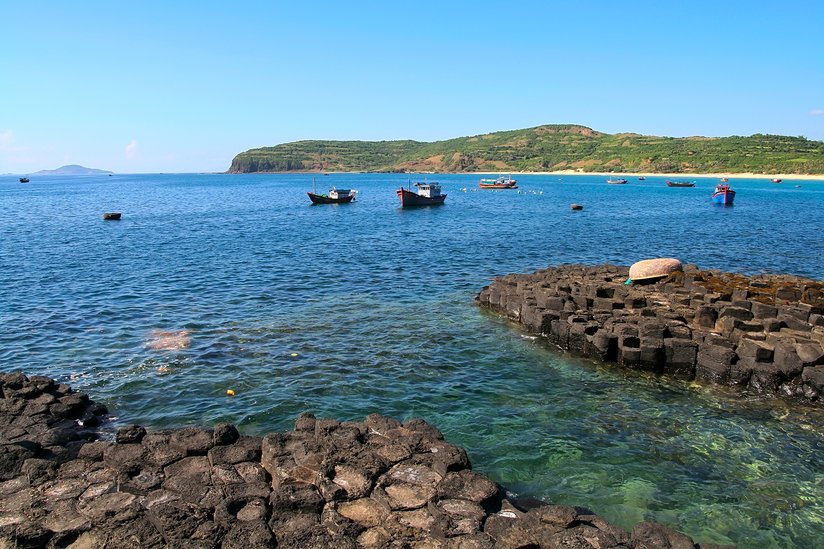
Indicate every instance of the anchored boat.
{"type": "Point", "coordinates": [680, 184]}
{"type": "Point", "coordinates": [500, 183]}
{"type": "Point", "coordinates": [427, 194]}
{"type": "Point", "coordinates": [618, 181]}
{"type": "Point", "coordinates": [335, 196]}
{"type": "Point", "coordinates": [723, 194]}
{"type": "Point", "coordinates": [24, 180]}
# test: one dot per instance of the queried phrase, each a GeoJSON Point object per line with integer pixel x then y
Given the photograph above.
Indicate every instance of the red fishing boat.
{"type": "Point", "coordinates": [776, 180]}
{"type": "Point", "coordinates": [427, 194]}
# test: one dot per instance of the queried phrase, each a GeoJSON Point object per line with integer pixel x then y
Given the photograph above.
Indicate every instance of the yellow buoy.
{"type": "Point", "coordinates": [230, 392]}
{"type": "Point", "coordinates": [294, 354]}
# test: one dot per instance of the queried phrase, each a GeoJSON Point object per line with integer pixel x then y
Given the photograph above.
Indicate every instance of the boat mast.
{"type": "Point", "coordinates": [314, 191]}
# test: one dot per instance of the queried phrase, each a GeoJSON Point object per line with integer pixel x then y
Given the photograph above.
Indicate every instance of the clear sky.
{"type": "Point", "coordinates": [178, 86]}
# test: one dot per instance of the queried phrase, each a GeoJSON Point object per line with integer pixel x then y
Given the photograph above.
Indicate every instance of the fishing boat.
{"type": "Point", "coordinates": [680, 184]}
{"type": "Point", "coordinates": [618, 181]}
{"type": "Point", "coordinates": [724, 180]}
{"type": "Point", "coordinates": [776, 180]}
{"type": "Point", "coordinates": [723, 194]}
{"type": "Point", "coordinates": [500, 183]}
{"type": "Point", "coordinates": [427, 194]}
{"type": "Point", "coordinates": [335, 196]}
{"type": "Point", "coordinates": [641, 178]}
{"type": "Point", "coordinates": [24, 180]}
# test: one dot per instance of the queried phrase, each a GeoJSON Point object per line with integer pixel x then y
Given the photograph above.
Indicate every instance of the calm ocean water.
{"type": "Point", "coordinates": [216, 282]}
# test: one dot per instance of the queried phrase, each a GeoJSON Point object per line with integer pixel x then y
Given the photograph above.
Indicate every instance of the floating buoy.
{"type": "Point", "coordinates": [230, 392]}
{"type": "Point", "coordinates": [576, 207]}
{"type": "Point", "coordinates": [294, 354]}
{"type": "Point", "coordinates": [112, 216]}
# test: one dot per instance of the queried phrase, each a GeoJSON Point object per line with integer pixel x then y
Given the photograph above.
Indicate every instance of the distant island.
{"type": "Point", "coordinates": [548, 148]}
{"type": "Point", "coordinates": [71, 169]}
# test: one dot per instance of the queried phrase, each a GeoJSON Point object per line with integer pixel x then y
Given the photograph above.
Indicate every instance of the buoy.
{"type": "Point", "coordinates": [111, 216]}
{"type": "Point", "coordinates": [230, 392]}
{"type": "Point", "coordinates": [294, 354]}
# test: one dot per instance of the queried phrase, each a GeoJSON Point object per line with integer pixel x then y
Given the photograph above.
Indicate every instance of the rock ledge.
{"type": "Point", "coordinates": [762, 334]}
{"type": "Point", "coordinates": [327, 483]}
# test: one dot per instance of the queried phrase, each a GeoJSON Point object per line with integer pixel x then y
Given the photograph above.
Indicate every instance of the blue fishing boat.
{"type": "Point", "coordinates": [723, 194]}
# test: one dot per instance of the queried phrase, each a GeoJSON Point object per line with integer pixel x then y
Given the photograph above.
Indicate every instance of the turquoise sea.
{"type": "Point", "coordinates": [216, 282]}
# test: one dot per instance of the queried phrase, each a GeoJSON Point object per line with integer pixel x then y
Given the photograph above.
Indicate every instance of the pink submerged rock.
{"type": "Point", "coordinates": [169, 341]}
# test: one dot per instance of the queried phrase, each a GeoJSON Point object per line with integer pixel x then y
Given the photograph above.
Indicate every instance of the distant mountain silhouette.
{"type": "Point", "coordinates": [71, 169]}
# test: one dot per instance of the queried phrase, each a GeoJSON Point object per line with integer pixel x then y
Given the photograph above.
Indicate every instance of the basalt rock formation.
{"type": "Point", "coordinates": [375, 483]}
{"type": "Point", "coordinates": [762, 334]}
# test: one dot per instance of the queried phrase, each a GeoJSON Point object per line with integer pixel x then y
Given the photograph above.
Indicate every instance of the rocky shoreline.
{"type": "Point", "coordinates": [375, 483]}
{"type": "Point", "coordinates": [761, 334]}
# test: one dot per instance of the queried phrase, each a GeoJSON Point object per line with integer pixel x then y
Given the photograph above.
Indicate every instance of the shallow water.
{"type": "Point", "coordinates": [212, 282]}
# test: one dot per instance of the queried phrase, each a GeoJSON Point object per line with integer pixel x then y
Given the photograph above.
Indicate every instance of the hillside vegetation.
{"type": "Point", "coordinates": [546, 148]}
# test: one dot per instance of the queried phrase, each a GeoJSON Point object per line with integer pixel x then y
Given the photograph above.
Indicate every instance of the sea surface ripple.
{"type": "Point", "coordinates": [213, 282]}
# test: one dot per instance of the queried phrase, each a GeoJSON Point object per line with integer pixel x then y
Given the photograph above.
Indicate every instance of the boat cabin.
{"type": "Point", "coordinates": [429, 190]}
{"type": "Point", "coordinates": [338, 193]}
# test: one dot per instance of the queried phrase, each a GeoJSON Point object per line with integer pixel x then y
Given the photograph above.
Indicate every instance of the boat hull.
{"type": "Point", "coordinates": [322, 199]}
{"type": "Point", "coordinates": [497, 186]}
{"type": "Point", "coordinates": [412, 200]}
{"type": "Point", "coordinates": [679, 184]}
{"type": "Point", "coordinates": [723, 197]}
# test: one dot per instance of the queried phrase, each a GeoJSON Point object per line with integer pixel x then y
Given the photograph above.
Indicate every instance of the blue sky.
{"type": "Point", "coordinates": [184, 86]}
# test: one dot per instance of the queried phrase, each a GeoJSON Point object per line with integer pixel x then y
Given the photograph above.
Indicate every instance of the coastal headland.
{"type": "Point", "coordinates": [759, 334]}
{"type": "Point", "coordinates": [551, 148]}
{"type": "Point", "coordinates": [68, 480]}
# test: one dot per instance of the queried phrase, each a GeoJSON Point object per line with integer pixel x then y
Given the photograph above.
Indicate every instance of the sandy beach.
{"type": "Point", "coordinates": [818, 177]}
{"type": "Point", "coordinates": [746, 175]}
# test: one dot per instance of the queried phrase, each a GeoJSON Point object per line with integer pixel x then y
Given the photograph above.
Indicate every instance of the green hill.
{"type": "Point", "coordinates": [546, 148]}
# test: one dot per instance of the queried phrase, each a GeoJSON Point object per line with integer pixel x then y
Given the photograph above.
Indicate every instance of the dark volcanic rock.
{"type": "Point", "coordinates": [758, 334]}
{"type": "Point", "coordinates": [376, 483]}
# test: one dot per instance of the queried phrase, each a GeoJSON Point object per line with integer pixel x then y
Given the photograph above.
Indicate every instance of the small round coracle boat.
{"type": "Point", "coordinates": [112, 216]}
{"type": "Point", "coordinates": [576, 207]}
{"type": "Point", "coordinates": [653, 269]}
